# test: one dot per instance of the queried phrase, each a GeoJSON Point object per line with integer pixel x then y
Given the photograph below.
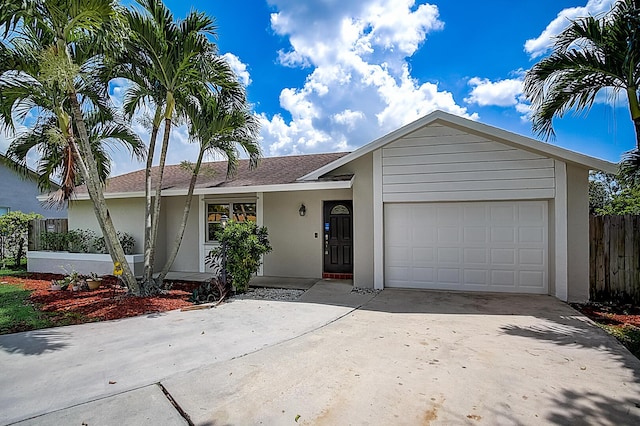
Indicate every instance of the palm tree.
{"type": "Point", "coordinates": [51, 66]}
{"type": "Point", "coordinates": [220, 124]}
{"type": "Point", "coordinates": [56, 157]}
{"type": "Point", "coordinates": [592, 54]}
{"type": "Point", "coordinates": [169, 62]}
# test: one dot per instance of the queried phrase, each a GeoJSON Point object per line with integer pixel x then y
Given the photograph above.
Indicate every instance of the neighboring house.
{"type": "Point", "coordinates": [19, 192]}
{"type": "Point", "coordinates": [442, 203]}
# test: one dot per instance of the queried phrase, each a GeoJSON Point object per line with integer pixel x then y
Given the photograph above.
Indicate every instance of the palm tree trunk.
{"type": "Point", "coordinates": [634, 108]}
{"type": "Point", "coordinates": [90, 173]}
{"type": "Point", "coordinates": [185, 217]}
{"type": "Point", "coordinates": [155, 214]}
{"type": "Point", "coordinates": [148, 264]}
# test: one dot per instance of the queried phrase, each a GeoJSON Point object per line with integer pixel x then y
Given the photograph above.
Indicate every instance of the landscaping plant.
{"type": "Point", "coordinates": [14, 227]}
{"type": "Point", "coordinates": [244, 243]}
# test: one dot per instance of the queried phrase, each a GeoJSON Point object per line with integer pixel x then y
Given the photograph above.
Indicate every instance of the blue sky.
{"type": "Point", "coordinates": [333, 75]}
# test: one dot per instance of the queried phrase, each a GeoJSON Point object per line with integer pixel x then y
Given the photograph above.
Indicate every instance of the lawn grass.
{"type": "Point", "coordinates": [9, 269]}
{"type": "Point", "coordinates": [17, 313]}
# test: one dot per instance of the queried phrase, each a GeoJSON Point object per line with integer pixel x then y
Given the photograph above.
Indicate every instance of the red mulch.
{"type": "Point", "coordinates": [109, 302]}
{"type": "Point", "coordinates": [612, 314]}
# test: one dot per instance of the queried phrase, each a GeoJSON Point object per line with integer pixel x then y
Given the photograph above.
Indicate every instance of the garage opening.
{"type": "Point", "coordinates": [497, 246]}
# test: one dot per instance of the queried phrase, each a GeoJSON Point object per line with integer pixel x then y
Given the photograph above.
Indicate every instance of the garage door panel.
{"type": "Point", "coordinates": [504, 214]}
{"type": "Point", "coordinates": [532, 279]}
{"type": "Point", "coordinates": [503, 278]}
{"type": "Point", "coordinates": [531, 234]}
{"type": "Point", "coordinates": [505, 256]}
{"type": "Point", "coordinates": [483, 246]}
{"type": "Point", "coordinates": [476, 277]}
{"type": "Point", "coordinates": [503, 235]}
{"type": "Point", "coordinates": [422, 255]}
{"type": "Point", "coordinates": [531, 257]}
{"type": "Point", "coordinates": [475, 234]}
{"type": "Point", "coordinates": [475, 256]}
{"type": "Point", "coordinates": [449, 275]}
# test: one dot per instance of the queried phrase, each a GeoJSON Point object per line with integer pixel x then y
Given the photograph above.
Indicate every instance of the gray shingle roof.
{"type": "Point", "coordinates": [270, 171]}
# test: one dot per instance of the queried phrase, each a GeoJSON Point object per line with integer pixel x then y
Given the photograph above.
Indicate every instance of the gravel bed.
{"type": "Point", "coordinates": [270, 294]}
{"type": "Point", "coordinates": [360, 290]}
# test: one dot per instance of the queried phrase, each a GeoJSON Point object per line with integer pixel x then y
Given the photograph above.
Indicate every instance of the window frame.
{"type": "Point", "coordinates": [231, 213]}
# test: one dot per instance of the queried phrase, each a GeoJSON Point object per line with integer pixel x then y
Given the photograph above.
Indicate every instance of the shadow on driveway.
{"type": "Point", "coordinates": [35, 342]}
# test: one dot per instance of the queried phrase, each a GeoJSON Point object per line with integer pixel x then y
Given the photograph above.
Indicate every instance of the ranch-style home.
{"type": "Point", "coordinates": [442, 203]}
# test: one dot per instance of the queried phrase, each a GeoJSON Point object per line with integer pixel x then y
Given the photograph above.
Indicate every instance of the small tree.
{"type": "Point", "coordinates": [14, 227]}
{"type": "Point", "coordinates": [245, 243]}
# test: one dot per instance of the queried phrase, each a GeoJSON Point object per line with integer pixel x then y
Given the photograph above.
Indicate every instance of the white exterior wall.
{"type": "Point", "coordinates": [578, 233]}
{"type": "Point", "coordinates": [441, 163]}
{"type": "Point", "coordinates": [296, 250]}
{"type": "Point", "coordinates": [127, 215]}
{"type": "Point", "coordinates": [173, 208]}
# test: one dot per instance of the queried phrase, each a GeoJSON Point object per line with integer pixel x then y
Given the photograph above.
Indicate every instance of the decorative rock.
{"type": "Point", "coordinates": [279, 294]}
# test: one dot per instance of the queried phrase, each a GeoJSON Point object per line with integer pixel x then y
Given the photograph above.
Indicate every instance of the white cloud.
{"type": "Point", "coordinates": [542, 44]}
{"type": "Point", "coordinates": [359, 84]}
{"type": "Point", "coordinates": [502, 93]}
{"type": "Point", "coordinates": [238, 67]}
{"type": "Point", "coordinates": [348, 118]}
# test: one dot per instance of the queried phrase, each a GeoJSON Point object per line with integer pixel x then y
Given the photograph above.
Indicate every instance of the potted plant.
{"type": "Point", "coordinates": [94, 282]}
{"type": "Point", "coordinates": [55, 285]}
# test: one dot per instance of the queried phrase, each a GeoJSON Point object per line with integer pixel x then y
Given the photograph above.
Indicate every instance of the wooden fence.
{"type": "Point", "coordinates": [38, 226]}
{"type": "Point", "coordinates": [614, 258]}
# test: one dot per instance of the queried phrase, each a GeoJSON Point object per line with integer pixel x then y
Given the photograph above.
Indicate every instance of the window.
{"type": "Point", "coordinates": [242, 212]}
{"type": "Point", "coordinates": [4, 210]}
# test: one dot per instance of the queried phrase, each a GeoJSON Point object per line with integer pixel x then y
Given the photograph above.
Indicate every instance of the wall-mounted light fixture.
{"type": "Point", "coordinates": [302, 210]}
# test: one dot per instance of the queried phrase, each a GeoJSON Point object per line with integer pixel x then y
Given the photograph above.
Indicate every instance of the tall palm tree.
{"type": "Point", "coordinates": [220, 124]}
{"type": "Point", "coordinates": [592, 54]}
{"type": "Point", "coordinates": [169, 61]}
{"type": "Point", "coordinates": [51, 66]}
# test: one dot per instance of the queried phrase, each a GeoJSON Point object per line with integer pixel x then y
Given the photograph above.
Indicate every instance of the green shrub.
{"type": "Point", "coordinates": [126, 240]}
{"type": "Point", "coordinates": [80, 240]}
{"type": "Point", "coordinates": [54, 241]}
{"type": "Point", "coordinates": [245, 244]}
{"type": "Point", "coordinates": [14, 228]}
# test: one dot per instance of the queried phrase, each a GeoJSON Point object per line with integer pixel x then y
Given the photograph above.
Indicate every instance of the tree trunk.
{"type": "Point", "coordinates": [92, 180]}
{"type": "Point", "coordinates": [185, 217]}
{"type": "Point", "coordinates": [155, 214]}
{"type": "Point", "coordinates": [634, 109]}
{"type": "Point", "coordinates": [148, 265]}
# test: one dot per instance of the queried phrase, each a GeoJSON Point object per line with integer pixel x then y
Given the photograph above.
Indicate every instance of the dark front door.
{"type": "Point", "coordinates": [338, 237]}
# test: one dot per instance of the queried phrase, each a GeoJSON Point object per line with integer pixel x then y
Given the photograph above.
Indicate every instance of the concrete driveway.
{"type": "Point", "coordinates": [405, 357]}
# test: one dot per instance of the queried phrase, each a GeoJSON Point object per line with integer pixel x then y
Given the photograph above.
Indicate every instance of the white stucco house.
{"type": "Point", "coordinates": [441, 203]}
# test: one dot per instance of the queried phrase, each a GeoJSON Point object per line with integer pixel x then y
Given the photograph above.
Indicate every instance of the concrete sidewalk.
{"type": "Point", "coordinates": [52, 369]}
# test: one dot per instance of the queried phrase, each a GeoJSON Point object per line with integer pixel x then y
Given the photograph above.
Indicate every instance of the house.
{"type": "Point", "coordinates": [442, 203]}
{"type": "Point", "coordinates": [18, 191]}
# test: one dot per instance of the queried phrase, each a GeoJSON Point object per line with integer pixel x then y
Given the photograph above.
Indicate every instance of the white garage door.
{"type": "Point", "coordinates": [477, 246]}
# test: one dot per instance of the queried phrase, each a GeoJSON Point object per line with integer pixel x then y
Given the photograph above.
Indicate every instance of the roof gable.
{"type": "Point", "coordinates": [470, 127]}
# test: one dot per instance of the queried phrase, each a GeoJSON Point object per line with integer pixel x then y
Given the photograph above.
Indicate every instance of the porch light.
{"type": "Point", "coordinates": [223, 221]}
{"type": "Point", "coordinates": [302, 210]}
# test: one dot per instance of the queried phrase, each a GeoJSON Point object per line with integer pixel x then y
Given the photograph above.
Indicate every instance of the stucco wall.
{"type": "Point", "coordinates": [362, 219]}
{"type": "Point", "coordinates": [20, 194]}
{"type": "Point", "coordinates": [296, 250]}
{"type": "Point", "coordinates": [187, 260]}
{"type": "Point", "coordinates": [127, 215]}
{"type": "Point", "coordinates": [578, 233]}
